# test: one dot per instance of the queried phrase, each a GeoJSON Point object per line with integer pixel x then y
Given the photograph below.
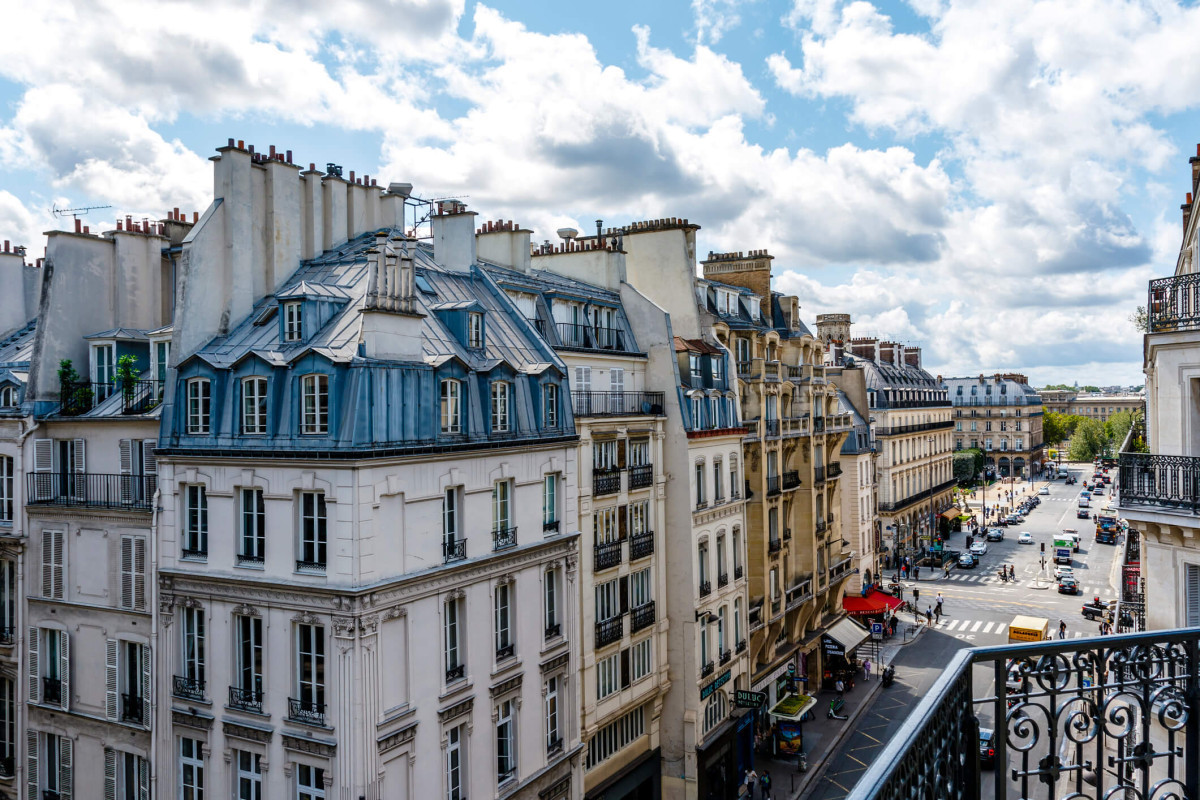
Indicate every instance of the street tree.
{"type": "Point", "coordinates": [1088, 440]}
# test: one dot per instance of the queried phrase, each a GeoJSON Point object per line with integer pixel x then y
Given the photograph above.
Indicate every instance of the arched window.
{"type": "Point", "coordinates": [8, 396]}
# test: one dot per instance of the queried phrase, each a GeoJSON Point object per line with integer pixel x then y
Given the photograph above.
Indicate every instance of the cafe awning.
{"type": "Point", "coordinates": [953, 513]}
{"type": "Point", "coordinates": [874, 603]}
{"type": "Point", "coordinates": [848, 633]}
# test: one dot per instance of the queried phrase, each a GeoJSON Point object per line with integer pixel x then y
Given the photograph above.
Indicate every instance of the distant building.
{"type": "Point", "coordinates": [1092, 405]}
{"type": "Point", "coordinates": [1002, 416]}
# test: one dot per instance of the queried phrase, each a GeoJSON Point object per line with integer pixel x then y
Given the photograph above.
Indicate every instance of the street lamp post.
{"type": "Point", "coordinates": [929, 440]}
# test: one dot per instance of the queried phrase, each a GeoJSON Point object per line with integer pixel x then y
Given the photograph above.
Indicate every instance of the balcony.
{"type": "Point", "coordinates": [187, 688]}
{"type": "Point", "coordinates": [741, 646]}
{"type": "Point", "coordinates": [787, 534]}
{"type": "Point", "coordinates": [795, 426]}
{"type": "Point", "coordinates": [504, 538]}
{"type": "Point", "coordinates": [756, 616]}
{"type": "Point", "coordinates": [454, 550]}
{"type": "Point", "coordinates": [52, 691]}
{"type": "Point", "coordinates": [916, 497]}
{"type": "Point", "coordinates": [246, 699]}
{"type": "Point", "coordinates": [726, 656]}
{"type": "Point", "coordinates": [800, 592]}
{"type": "Point", "coordinates": [8, 636]}
{"type": "Point", "coordinates": [705, 588]}
{"type": "Point", "coordinates": [820, 526]}
{"type": "Point", "coordinates": [456, 673]}
{"type": "Point", "coordinates": [1110, 716]}
{"type": "Point", "coordinates": [553, 631]}
{"type": "Point", "coordinates": [737, 573]}
{"type": "Point", "coordinates": [722, 580]}
{"type": "Point", "coordinates": [773, 485]}
{"type": "Point", "coordinates": [133, 709]}
{"type": "Point", "coordinates": [791, 480]}
{"type": "Point", "coordinates": [616, 404]}
{"type": "Point", "coordinates": [774, 545]}
{"type": "Point", "coordinates": [137, 397]}
{"type": "Point", "coordinates": [771, 428]}
{"type": "Point", "coordinates": [641, 545]}
{"type": "Point", "coordinates": [1162, 483]}
{"type": "Point", "coordinates": [308, 712]}
{"type": "Point", "coordinates": [897, 430]}
{"type": "Point", "coordinates": [1174, 303]}
{"type": "Point", "coordinates": [589, 337]}
{"type": "Point", "coordinates": [835, 469]}
{"type": "Point", "coordinates": [610, 630]}
{"type": "Point", "coordinates": [505, 651]}
{"type": "Point", "coordinates": [92, 490]}
{"type": "Point", "coordinates": [840, 569]}
{"type": "Point", "coordinates": [606, 556]}
{"type": "Point", "coordinates": [708, 669]}
{"type": "Point", "coordinates": [641, 476]}
{"type": "Point", "coordinates": [606, 481]}
{"type": "Point", "coordinates": [641, 617]}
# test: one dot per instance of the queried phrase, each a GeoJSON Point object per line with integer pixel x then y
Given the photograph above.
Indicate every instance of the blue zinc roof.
{"type": "Point", "coordinates": [372, 404]}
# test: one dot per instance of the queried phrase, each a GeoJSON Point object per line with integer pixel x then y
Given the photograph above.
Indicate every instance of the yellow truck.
{"type": "Point", "coordinates": [1028, 629]}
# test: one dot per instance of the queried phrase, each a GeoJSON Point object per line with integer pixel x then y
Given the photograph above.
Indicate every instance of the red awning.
{"type": "Point", "coordinates": [874, 603]}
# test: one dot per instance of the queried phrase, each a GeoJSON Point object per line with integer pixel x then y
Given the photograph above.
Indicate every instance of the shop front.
{"type": "Point", "coordinates": [839, 646]}
{"type": "Point", "coordinates": [641, 780]}
{"type": "Point", "coordinates": [726, 755]}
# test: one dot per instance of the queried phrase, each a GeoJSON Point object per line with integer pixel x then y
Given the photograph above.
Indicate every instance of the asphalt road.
{"type": "Point", "coordinates": [978, 608]}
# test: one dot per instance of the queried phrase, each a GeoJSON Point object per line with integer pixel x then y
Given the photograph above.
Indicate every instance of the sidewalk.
{"type": "Point", "coordinates": [822, 736]}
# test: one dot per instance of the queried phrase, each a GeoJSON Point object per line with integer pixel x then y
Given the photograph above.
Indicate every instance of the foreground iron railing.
{"type": "Point", "coordinates": [1106, 717]}
{"type": "Point", "coordinates": [1174, 303]}
{"type": "Point", "coordinates": [1166, 481]}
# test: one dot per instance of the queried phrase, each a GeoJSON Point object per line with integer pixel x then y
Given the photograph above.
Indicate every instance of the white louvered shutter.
{"type": "Point", "coordinates": [64, 665]}
{"type": "Point", "coordinates": [80, 456]}
{"type": "Point", "coordinates": [43, 462]}
{"type": "Point", "coordinates": [110, 680]}
{"type": "Point", "coordinates": [59, 564]}
{"type": "Point", "coordinates": [66, 767]}
{"type": "Point", "coordinates": [1191, 594]}
{"type": "Point", "coordinates": [143, 767]}
{"type": "Point", "coordinates": [110, 774]}
{"type": "Point", "coordinates": [35, 677]}
{"type": "Point", "coordinates": [149, 469]}
{"type": "Point", "coordinates": [47, 563]}
{"type": "Point", "coordinates": [146, 687]}
{"type": "Point", "coordinates": [139, 573]}
{"type": "Point", "coordinates": [126, 448]}
{"type": "Point", "coordinates": [127, 572]}
{"type": "Point", "coordinates": [31, 761]}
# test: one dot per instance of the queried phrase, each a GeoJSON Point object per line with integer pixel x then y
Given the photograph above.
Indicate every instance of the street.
{"type": "Point", "coordinates": [978, 607]}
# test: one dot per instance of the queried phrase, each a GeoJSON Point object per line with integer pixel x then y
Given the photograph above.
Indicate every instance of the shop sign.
{"type": "Point", "coordinates": [720, 681]}
{"type": "Point", "coordinates": [832, 646]}
{"type": "Point", "coordinates": [746, 699]}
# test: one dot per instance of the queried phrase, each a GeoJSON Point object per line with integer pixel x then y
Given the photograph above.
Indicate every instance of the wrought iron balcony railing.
{"type": "Point", "coordinates": [708, 669]}
{"type": "Point", "coordinates": [455, 673]}
{"type": "Point", "coordinates": [610, 630]}
{"type": "Point", "coordinates": [1174, 303]}
{"type": "Point", "coordinates": [189, 688]}
{"type": "Point", "coordinates": [504, 538]}
{"type": "Point", "coordinates": [505, 651]}
{"type": "Point", "coordinates": [641, 476]}
{"type": "Point", "coordinates": [787, 534]}
{"type": "Point", "coordinates": [309, 712]}
{"type": "Point", "coordinates": [606, 555]}
{"type": "Point", "coordinates": [606, 481]}
{"type": "Point", "coordinates": [641, 617]}
{"type": "Point", "coordinates": [737, 573]}
{"type": "Point", "coordinates": [1101, 717]}
{"type": "Point", "coordinates": [791, 480]}
{"type": "Point", "coordinates": [133, 709]}
{"type": "Point", "coordinates": [137, 396]}
{"type": "Point", "coordinates": [1166, 482]}
{"type": "Point", "coordinates": [51, 691]}
{"type": "Point", "coordinates": [246, 699]}
{"type": "Point", "coordinates": [7, 763]}
{"type": "Point", "coordinates": [550, 527]}
{"type": "Point", "coordinates": [772, 485]}
{"type": "Point", "coordinates": [916, 427]}
{"type": "Point", "coordinates": [92, 489]}
{"type": "Point", "coordinates": [615, 404]}
{"type": "Point", "coordinates": [454, 550]}
{"type": "Point", "coordinates": [553, 630]}
{"type": "Point", "coordinates": [705, 588]}
{"type": "Point", "coordinates": [245, 560]}
{"type": "Point", "coordinates": [741, 645]}
{"type": "Point", "coordinates": [774, 545]}
{"type": "Point", "coordinates": [589, 337]}
{"type": "Point", "coordinates": [722, 579]}
{"type": "Point", "coordinates": [641, 545]}
{"type": "Point", "coordinates": [917, 497]}
{"type": "Point", "coordinates": [726, 655]}
{"type": "Point", "coordinates": [835, 469]}
{"type": "Point", "coordinates": [311, 567]}
{"type": "Point", "coordinates": [8, 636]}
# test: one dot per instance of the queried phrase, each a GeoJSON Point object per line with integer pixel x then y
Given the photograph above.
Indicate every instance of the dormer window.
{"type": "Point", "coordinates": [550, 405]}
{"type": "Point", "coordinates": [718, 369]}
{"type": "Point", "coordinates": [199, 406]}
{"type": "Point", "coordinates": [451, 406]}
{"type": "Point", "coordinates": [314, 393]}
{"type": "Point", "coordinates": [475, 330]}
{"type": "Point", "coordinates": [293, 321]}
{"type": "Point", "coordinates": [694, 366]}
{"type": "Point", "coordinates": [755, 308]}
{"type": "Point", "coordinates": [501, 420]}
{"type": "Point", "coordinates": [103, 369]}
{"type": "Point", "coordinates": [254, 406]}
{"type": "Point", "coordinates": [8, 396]}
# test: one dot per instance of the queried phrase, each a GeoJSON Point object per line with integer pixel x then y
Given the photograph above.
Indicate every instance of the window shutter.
{"type": "Point", "coordinates": [47, 563]}
{"type": "Point", "coordinates": [149, 464]}
{"type": "Point", "coordinates": [126, 572]}
{"type": "Point", "coordinates": [625, 668]}
{"type": "Point", "coordinates": [623, 584]}
{"type": "Point", "coordinates": [35, 677]}
{"type": "Point", "coordinates": [56, 564]}
{"type": "Point", "coordinates": [620, 454]}
{"type": "Point", "coordinates": [64, 660]}
{"type": "Point", "coordinates": [110, 680]}
{"type": "Point", "coordinates": [66, 762]}
{"type": "Point", "coordinates": [43, 455]}
{"type": "Point", "coordinates": [31, 759]}
{"type": "Point", "coordinates": [143, 779]}
{"type": "Point", "coordinates": [110, 774]}
{"type": "Point", "coordinates": [126, 448]}
{"type": "Point", "coordinates": [623, 522]}
{"type": "Point", "coordinates": [139, 573]}
{"type": "Point", "coordinates": [146, 687]}
{"type": "Point", "coordinates": [80, 455]}
{"type": "Point", "coordinates": [1191, 594]}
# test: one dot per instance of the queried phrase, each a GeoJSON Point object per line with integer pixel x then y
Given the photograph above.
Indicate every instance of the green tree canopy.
{"type": "Point", "coordinates": [1058, 427]}
{"type": "Point", "coordinates": [1088, 439]}
{"type": "Point", "coordinates": [1118, 425]}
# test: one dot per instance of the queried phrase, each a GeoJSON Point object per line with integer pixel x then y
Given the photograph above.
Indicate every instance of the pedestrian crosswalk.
{"type": "Point", "coordinates": [984, 627]}
{"type": "Point", "coordinates": [992, 580]}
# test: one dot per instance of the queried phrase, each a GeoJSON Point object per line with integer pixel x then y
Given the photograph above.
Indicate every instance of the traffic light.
{"type": "Point", "coordinates": [1043, 546]}
{"type": "Point", "coordinates": [916, 595]}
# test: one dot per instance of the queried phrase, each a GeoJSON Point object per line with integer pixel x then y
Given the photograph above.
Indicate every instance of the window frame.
{"type": "Point", "coordinates": [313, 530]}
{"type": "Point", "coordinates": [314, 404]}
{"type": "Point", "coordinates": [475, 330]}
{"type": "Point", "coordinates": [550, 405]}
{"type": "Point", "coordinates": [293, 321]}
{"type": "Point", "coordinates": [506, 734]}
{"type": "Point", "coordinates": [451, 406]}
{"type": "Point", "coordinates": [501, 407]}
{"type": "Point", "coordinates": [195, 531]}
{"type": "Point", "coordinates": [311, 675]}
{"type": "Point", "coordinates": [192, 633]}
{"type": "Point", "coordinates": [254, 405]}
{"type": "Point", "coordinates": [252, 525]}
{"type": "Point", "coordinates": [8, 487]}
{"type": "Point", "coordinates": [199, 406]}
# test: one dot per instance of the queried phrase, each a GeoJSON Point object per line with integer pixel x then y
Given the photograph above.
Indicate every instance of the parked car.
{"type": "Point", "coordinates": [1025, 538]}
{"type": "Point", "coordinates": [987, 752]}
{"type": "Point", "coordinates": [979, 549]}
{"type": "Point", "coordinates": [1068, 586]}
{"type": "Point", "coordinates": [995, 535]}
{"type": "Point", "coordinates": [966, 561]}
{"type": "Point", "coordinates": [1044, 490]}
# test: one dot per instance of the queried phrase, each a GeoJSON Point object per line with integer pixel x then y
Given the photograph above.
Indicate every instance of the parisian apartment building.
{"type": "Point", "coordinates": [326, 491]}
{"type": "Point", "coordinates": [1001, 415]}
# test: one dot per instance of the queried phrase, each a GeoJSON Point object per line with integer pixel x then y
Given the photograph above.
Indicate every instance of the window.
{"type": "Point", "coordinates": [639, 452]}
{"type": "Point", "coordinates": [8, 396]}
{"type": "Point", "coordinates": [455, 767]}
{"type": "Point", "coordinates": [718, 481]}
{"type": "Point", "coordinates": [721, 570]}
{"type": "Point", "coordinates": [504, 633]}
{"type": "Point", "coordinates": [553, 737]}
{"type": "Point", "coordinates": [310, 782]}
{"type": "Point", "coordinates": [737, 549]}
{"type": "Point", "coordinates": [8, 595]}
{"type": "Point", "coordinates": [310, 672]}
{"type": "Point", "coordinates": [641, 659]}
{"type": "Point", "coordinates": [293, 322]}
{"type": "Point", "coordinates": [248, 775]}
{"type": "Point", "coordinates": [248, 634]}
{"type": "Point", "coordinates": [501, 505]}
{"type": "Point", "coordinates": [734, 488]}
{"type": "Point", "coordinates": [718, 370]}
{"type": "Point", "coordinates": [199, 406]}
{"type": "Point", "coordinates": [608, 600]}
{"type": "Point", "coordinates": [640, 588]}
{"type": "Point", "coordinates": [50, 762]}
{"type": "Point", "coordinates": [314, 392]}
{"type": "Point", "coordinates": [737, 620]}
{"type": "Point", "coordinates": [1191, 595]}
{"type": "Point", "coordinates": [126, 775]}
{"type": "Point", "coordinates": [608, 675]}
{"type": "Point", "coordinates": [703, 563]}
{"type": "Point", "coordinates": [704, 641]}
{"type": "Point", "coordinates": [192, 630]}
{"type": "Point", "coordinates": [451, 406]}
{"type": "Point", "coordinates": [583, 379]}
{"type": "Point", "coordinates": [103, 369]}
{"type": "Point", "coordinates": [697, 410]}
{"type": "Point", "coordinates": [550, 502]}
{"type": "Point", "coordinates": [254, 406]}
{"type": "Point", "coordinates": [604, 454]}
{"type": "Point", "coordinates": [639, 517]}
{"type": "Point", "coordinates": [8, 721]}
{"type": "Point", "coordinates": [506, 742]}
{"type": "Point", "coordinates": [312, 531]}
{"type": "Point", "coordinates": [191, 769]}
{"type": "Point", "coordinates": [6, 489]}
{"type": "Point", "coordinates": [606, 530]}
{"type": "Point", "coordinates": [615, 736]}
{"type": "Point", "coordinates": [474, 329]}
{"type": "Point", "coordinates": [160, 359]}
{"type": "Point", "coordinates": [52, 564]}
{"type": "Point", "coordinates": [715, 710]}
{"type": "Point", "coordinates": [714, 412]}
{"type": "Point", "coordinates": [700, 484]}
{"type": "Point", "coordinates": [453, 646]}
{"type": "Point", "coordinates": [252, 547]}
{"type": "Point", "coordinates": [500, 415]}
{"type": "Point", "coordinates": [450, 527]}
{"type": "Point", "coordinates": [195, 533]}
{"type": "Point", "coordinates": [550, 405]}
{"type": "Point", "coordinates": [128, 665]}
{"type": "Point", "coordinates": [133, 572]}
{"type": "Point", "coordinates": [721, 630]}
{"type": "Point", "coordinates": [553, 625]}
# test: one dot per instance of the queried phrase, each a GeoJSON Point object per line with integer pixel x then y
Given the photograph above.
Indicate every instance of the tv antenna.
{"type": "Point", "coordinates": [75, 212]}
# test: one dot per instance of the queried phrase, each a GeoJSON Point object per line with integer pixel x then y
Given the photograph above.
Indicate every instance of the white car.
{"type": "Point", "coordinates": [1044, 490]}
{"type": "Point", "coordinates": [979, 549]}
{"type": "Point", "coordinates": [1025, 538]}
{"type": "Point", "coordinates": [1063, 571]}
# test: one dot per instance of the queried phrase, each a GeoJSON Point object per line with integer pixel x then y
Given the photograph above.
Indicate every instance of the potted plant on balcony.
{"type": "Point", "coordinates": [126, 379]}
{"type": "Point", "coordinates": [75, 395]}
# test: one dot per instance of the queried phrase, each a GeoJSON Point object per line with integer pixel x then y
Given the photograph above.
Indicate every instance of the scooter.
{"type": "Point", "coordinates": [803, 761]}
{"type": "Point", "coordinates": [889, 676]}
{"type": "Point", "coordinates": [831, 714]}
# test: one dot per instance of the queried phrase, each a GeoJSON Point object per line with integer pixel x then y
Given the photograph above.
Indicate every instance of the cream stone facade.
{"type": "Point", "coordinates": [1002, 416]}
{"type": "Point", "coordinates": [1092, 405]}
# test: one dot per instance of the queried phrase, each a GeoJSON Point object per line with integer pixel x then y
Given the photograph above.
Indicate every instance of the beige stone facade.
{"type": "Point", "coordinates": [1002, 416]}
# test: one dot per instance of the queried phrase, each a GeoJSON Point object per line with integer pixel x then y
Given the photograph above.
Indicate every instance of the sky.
{"type": "Point", "coordinates": [994, 182]}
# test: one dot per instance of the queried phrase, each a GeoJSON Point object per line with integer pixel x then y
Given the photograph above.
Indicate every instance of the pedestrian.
{"type": "Point", "coordinates": [1062, 629]}
{"type": "Point", "coordinates": [916, 573]}
{"type": "Point", "coordinates": [867, 670]}
{"type": "Point", "coordinates": [1012, 573]}
{"type": "Point", "coordinates": [928, 615]}
{"type": "Point", "coordinates": [939, 600]}
{"type": "Point", "coordinates": [765, 783]}
{"type": "Point", "coordinates": [751, 779]}
{"type": "Point", "coordinates": [840, 688]}
{"type": "Point", "coordinates": [937, 612]}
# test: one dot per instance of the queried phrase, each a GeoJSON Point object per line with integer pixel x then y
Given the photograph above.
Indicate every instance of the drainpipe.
{"type": "Point", "coordinates": [19, 643]}
{"type": "Point", "coordinates": [160, 658]}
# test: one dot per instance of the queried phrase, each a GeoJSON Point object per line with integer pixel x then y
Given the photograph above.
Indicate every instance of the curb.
{"type": "Point", "coordinates": [814, 775]}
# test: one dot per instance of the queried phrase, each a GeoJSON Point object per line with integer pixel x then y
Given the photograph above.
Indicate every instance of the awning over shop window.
{"type": "Point", "coordinates": [873, 603]}
{"type": "Point", "coordinates": [952, 514]}
{"type": "Point", "coordinates": [846, 634]}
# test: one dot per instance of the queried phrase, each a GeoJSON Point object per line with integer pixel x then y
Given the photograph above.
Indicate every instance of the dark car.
{"type": "Point", "coordinates": [987, 752]}
{"type": "Point", "coordinates": [1070, 480]}
{"type": "Point", "coordinates": [966, 561]}
{"type": "Point", "coordinates": [1068, 586]}
{"type": "Point", "coordinates": [1083, 513]}
{"type": "Point", "coordinates": [995, 535]}
{"type": "Point", "coordinates": [1101, 610]}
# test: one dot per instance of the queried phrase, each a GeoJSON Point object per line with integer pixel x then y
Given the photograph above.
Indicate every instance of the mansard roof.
{"type": "Point", "coordinates": [16, 346]}
{"type": "Point", "coordinates": [124, 334]}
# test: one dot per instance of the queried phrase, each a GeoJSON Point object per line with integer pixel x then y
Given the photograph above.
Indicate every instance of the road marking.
{"type": "Point", "coordinates": [987, 628]}
{"type": "Point", "coordinates": [977, 624]}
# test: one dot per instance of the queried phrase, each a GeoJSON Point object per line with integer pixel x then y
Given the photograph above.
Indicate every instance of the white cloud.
{"type": "Point", "coordinates": [715, 18]}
